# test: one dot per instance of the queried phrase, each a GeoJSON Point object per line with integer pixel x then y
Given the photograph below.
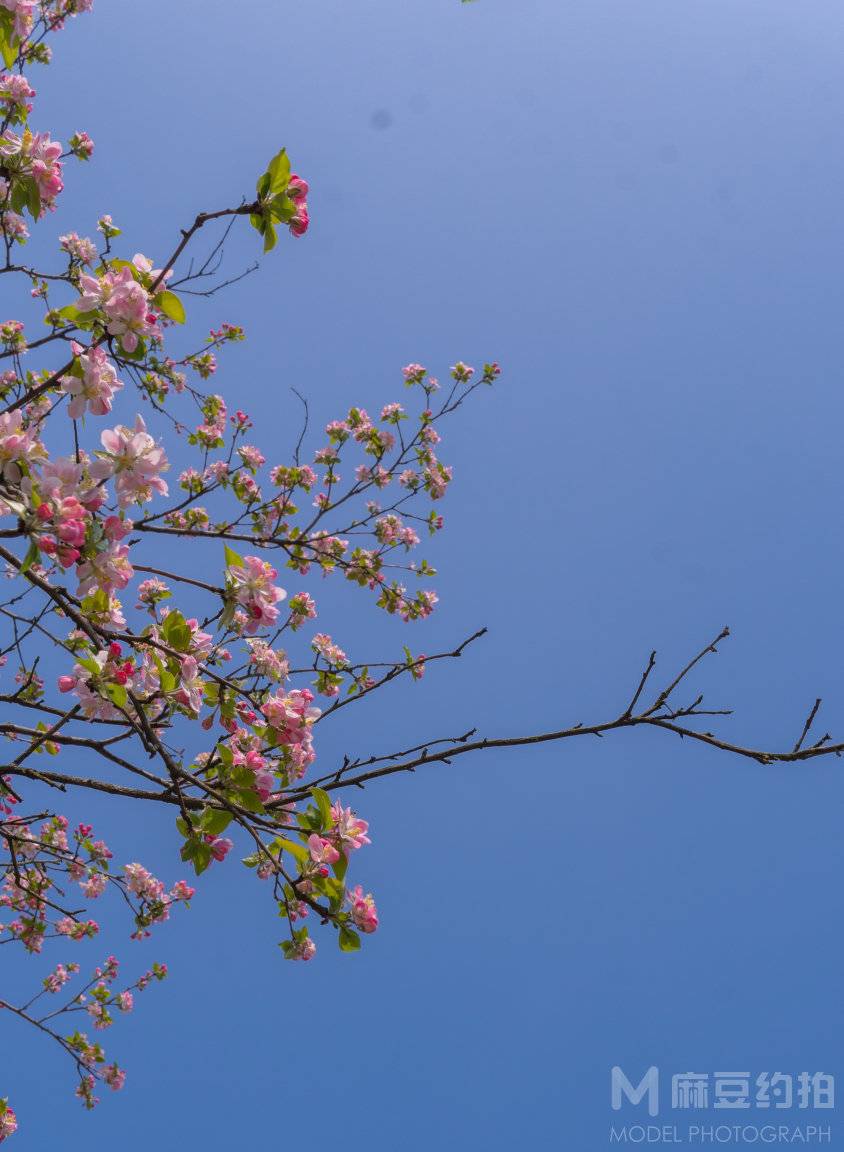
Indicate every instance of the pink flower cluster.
{"type": "Point", "coordinates": [297, 190]}
{"type": "Point", "coordinates": [291, 718]}
{"type": "Point", "coordinates": [123, 302]}
{"type": "Point", "coordinates": [8, 1121]}
{"type": "Point", "coordinates": [66, 522]}
{"type": "Point", "coordinates": [19, 446]}
{"type": "Point", "coordinates": [251, 585]}
{"type": "Point", "coordinates": [133, 459]}
{"type": "Point", "coordinates": [347, 831]}
{"type": "Point", "coordinates": [60, 976]}
{"type": "Point", "coordinates": [93, 683]}
{"type": "Point", "coordinates": [92, 385]}
{"type": "Point", "coordinates": [37, 157]}
{"type": "Point", "coordinates": [362, 909]}
{"type": "Point", "coordinates": [24, 14]}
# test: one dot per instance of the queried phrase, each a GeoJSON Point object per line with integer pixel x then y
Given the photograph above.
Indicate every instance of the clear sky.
{"type": "Point", "coordinates": [636, 209]}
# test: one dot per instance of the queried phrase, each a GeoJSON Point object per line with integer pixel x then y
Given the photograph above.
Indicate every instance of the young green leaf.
{"type": "Point", "coordinates": [324, 804]}
{"type": "Point", "coordinates": [172, 307]}
{"type": "Point", "coordinates": [297, 851]}
{"type": "Point", "coordinates": [349, 940]}
{"type": "Point", "coordinates": [277, 176]}
{"type": "Point", "coordinates": [233, 559]}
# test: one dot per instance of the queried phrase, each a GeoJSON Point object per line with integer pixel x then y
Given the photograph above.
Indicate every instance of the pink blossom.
{"type": "Point", "coordinates": [142, 883]}
{"type": "Point", "coordinates": [265, 661]}
{"type": "Point", "coordinates": [181, 891]}
{"type": "Point", "coordinates": [302, 608]}
{"type": "Point", "coordinates": [23, 11]}
{"type": "Point", "coordinates": [253, 588]}
{"type": "Point", "coordinates": [113, 1076]}
{"type": "Point", "coordinates": [95, 885]}
{"type": "Point", "coordinates": [348, 831]}
{"type": "Point", "coordinates": [124, 303]}
{"type": "Point", "coordinates": [300, 223]}
{"type": "Point", "coordinates": [96, 386]}
{"type": "Point", "coordinates": [220, 846]}
{"type": "Point", "coordinates": [362, 908]}
{"type": "Point", "coordinates": [109, 570]}
{"type": "Point", "coordinates": [297, 188]}
{"type": "Point", "coordinates": [81, 145]}
{"type": "Point", "coordinates": [302, 950]}
{"type": "Point", "coordinates": [79, 247]}
{"type": "Point", "coordinates": [45, 166]}
{"type": "Point", "coordinates": [322, 851]}
{"type": "Point", "coordinates": [60, 975]}
{"type": "Point", "coordinates": [8, 1119]}
{"type": "Point", "coordinates": [191, 686]}
{"type": "Point", "coordinates": [17, 445]}
{"type": "Point", "coordinates": [135, 461]}
{"type": "Point", "coordinates": [291, 716]}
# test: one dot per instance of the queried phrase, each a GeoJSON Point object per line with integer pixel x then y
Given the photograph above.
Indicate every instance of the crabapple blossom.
{"type": "Point", "coordinates": [363, 911]}
{"type": "Point", "coordinates": [94, 386]}
{"type": "Point", "coordinates": [139, 639]}
{"type": "Point", "coordinates": [133, 459]}
{"type": "Point", "coordinates": [122, 301]}
{"type": "Point", "coordinates": [348, 831]}
{"type": "Point", "coordinates": [8, 1121]}
{"type": "Point", "coordinates": [251, 584]}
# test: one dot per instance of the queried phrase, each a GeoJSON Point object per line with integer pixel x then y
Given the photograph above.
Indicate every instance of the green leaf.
{"type": "Point", "coordinates": [175, 631]}
{"type": "Point", "coordinates": [172, 307]}
{"type": "Point", "coordinates": [332, 888]}
{"type": "Point", "coordinates": [324, 804]}
{"type": "Point", "coordinates": [233, 559]}
{"type": "Point", "coordinates": [18, 198]}
{"type": "Point", "coordinates": [297, 851]}
{"type": "Point", "coordinates": [31, 556]}
{"type": "Point", "coordinates": [310, 819]}
{"type": "Point", "coordinates": [69, 312]}
{"type": "Point", "coordinates": [198, 853]}
{"type": "Point", "coordinates": [277, 176]}
{"type": "Point", "coordinates": [215, 820]}
{"type": "Point", "coordinates": [117, 694]}
{"type": "Point", "coordinates": [349, 940]}
{"type": "Point", "coordinates": [33, 199]}
{"type": "Point", "coordinates": [282, 208]}
{"type": "Point", "coordinates": [8, 47]}
{"type": "Point", "coordinates": [270, 236]}
{"type": "Point", "coordinates": [249, 799]}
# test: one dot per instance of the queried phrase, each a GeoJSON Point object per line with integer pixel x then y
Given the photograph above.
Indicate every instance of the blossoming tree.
{"type": "Point", "coordinates": [204, 695]}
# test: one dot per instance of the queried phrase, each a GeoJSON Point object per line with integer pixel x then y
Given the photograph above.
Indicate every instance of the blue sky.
{"type": "Point", "coordinates": [636, 209]}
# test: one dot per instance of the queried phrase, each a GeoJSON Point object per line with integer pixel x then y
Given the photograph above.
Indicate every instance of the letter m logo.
{"type": "Point", "coordinates": [649, 1083]}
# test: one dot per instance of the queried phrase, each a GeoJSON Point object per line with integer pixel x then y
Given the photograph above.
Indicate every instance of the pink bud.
{"type": "Point", "coordinates": [297, 189]}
